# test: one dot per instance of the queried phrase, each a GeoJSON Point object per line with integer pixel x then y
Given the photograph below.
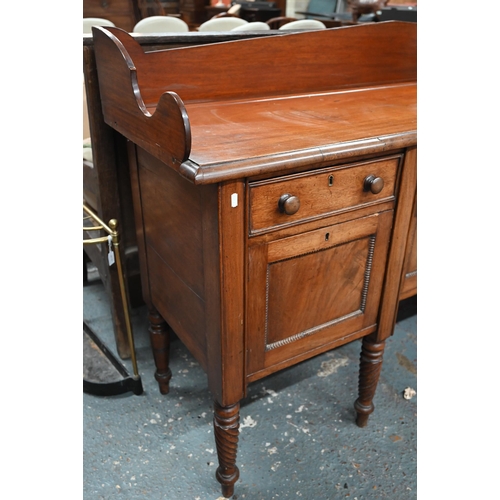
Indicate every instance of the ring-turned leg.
{"type": "Point", "coordinates": [160, 343]}
{"type": "Point", "coordinates": [226, 430]}
{"type": "Point", "coordinates": [369, 373]}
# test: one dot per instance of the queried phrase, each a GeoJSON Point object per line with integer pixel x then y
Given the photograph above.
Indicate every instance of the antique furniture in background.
{"type": "Point", "coordinates": [158, 7]}
{"type": "Point", "coordinates": [194, 12]}
{"type": "Point", "coordinates": [259, 10]}
{"type": "Point", "coordinates": [123, 13]}
{"type": "Point", "coordinates": [360, 7]}
{"type": "Point", "coordinates": [115, 378]}
{"type": "Point", "coordinates": [127, 13]}
{"type": "Point", "coordinates": [215, 10]}
{"type": "Point", "coordinates": [103, 194]}
{"type": "Point", "coordinates": [275, 23]}
{"type": "Point", "coordinates": [273, 208]}
{"type": "Point", "coordinates": [399, 13]}
{"type": "Point", "coordinates": [281, 5]}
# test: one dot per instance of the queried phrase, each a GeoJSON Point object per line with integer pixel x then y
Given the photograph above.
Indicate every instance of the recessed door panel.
{"type": "Point", "coordinates": [312, 289]}
{"type": "Point", "coordinates": [316, 290]}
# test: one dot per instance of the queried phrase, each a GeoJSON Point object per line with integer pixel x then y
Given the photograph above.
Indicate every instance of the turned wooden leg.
{"type": "Point", "coordinates": [160, 342]}
{"type": "Point", "coordinates": [226, 430]}
{"type": "Point", "coordinates": [369, 373]}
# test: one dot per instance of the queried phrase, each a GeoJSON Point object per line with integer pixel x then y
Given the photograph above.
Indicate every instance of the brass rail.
{"type": "Point", "coordinates": [111, 229]}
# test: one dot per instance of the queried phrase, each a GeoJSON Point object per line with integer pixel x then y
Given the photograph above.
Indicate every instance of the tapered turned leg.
{"type": "Point", "coordinates": [369, 373]}
{"type": "Point", "coordinates": [160, 343]}
{"type": "Point", "coordinates": [226, 429]}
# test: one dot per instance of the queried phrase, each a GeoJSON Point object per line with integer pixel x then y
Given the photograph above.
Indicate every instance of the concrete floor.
{"type": "Point", "coordinates": [298, 438]}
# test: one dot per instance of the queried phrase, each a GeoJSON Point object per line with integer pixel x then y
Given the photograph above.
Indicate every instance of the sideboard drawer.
{"type": "Point", "coordinates": [296, 198]}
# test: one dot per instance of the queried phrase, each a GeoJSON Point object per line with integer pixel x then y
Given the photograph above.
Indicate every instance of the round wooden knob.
{"type": "Point", "coordinates": [288, 204]}
{"type": "Point", "coordinates": [374, 184]}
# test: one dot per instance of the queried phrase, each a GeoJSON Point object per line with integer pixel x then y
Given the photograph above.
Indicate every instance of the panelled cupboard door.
{"type": "Point", "coordinates": [312, 291]}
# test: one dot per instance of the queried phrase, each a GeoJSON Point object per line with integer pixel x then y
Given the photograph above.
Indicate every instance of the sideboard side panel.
{"type": "Point", "coordinates": [172, 220]}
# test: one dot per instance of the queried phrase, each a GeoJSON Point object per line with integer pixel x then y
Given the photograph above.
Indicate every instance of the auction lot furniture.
{"type": "Point", "coordinates": [273, 183]}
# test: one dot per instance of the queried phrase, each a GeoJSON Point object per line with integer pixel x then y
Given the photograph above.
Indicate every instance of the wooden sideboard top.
{"type": "Point", "coordinates": [251, 107]}
{"type": "Point", "coordinates": [309, 128]}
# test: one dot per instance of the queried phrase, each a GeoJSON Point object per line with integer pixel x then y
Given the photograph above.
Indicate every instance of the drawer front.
{"type": "Point", "coordinates": [297, 198]}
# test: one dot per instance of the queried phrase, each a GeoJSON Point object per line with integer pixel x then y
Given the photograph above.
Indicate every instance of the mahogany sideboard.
{"type": "Point", "coordinates": [274, 192]}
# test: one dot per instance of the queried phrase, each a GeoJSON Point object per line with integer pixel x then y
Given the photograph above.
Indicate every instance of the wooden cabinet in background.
{"type": "Point", "coordinates": [193, 12]}
{"type": "Point", "coordinates": [158, 7]}
{"type": "Point", "coordinates": [123, 13]}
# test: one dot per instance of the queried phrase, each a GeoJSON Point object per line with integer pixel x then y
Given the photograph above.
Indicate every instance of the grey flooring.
{"type": "Point", "coordinates": [298, 437]}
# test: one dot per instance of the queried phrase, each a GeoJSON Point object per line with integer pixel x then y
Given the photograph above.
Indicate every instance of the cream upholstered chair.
{"type": "Point", "coordinates": [252, 26]}
{"type": "Point", "coordinates": [88, 22]}
{"type": "Point", "coordinates": [304, 24]}
{"type": "Point", "coordinates": [161, 24]}
{"type": "Point", "coordinates": [222, 24]}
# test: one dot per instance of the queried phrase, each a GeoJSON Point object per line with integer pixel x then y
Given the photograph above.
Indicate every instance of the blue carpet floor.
{"type": "Point", "coordinates": [298, 436]}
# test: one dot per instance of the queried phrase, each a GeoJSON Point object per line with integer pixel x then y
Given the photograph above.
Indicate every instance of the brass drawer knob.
{"type": "Point", "coordinates": [288, 204]}
{"type": "Point", "coordinates": [373, 184]}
